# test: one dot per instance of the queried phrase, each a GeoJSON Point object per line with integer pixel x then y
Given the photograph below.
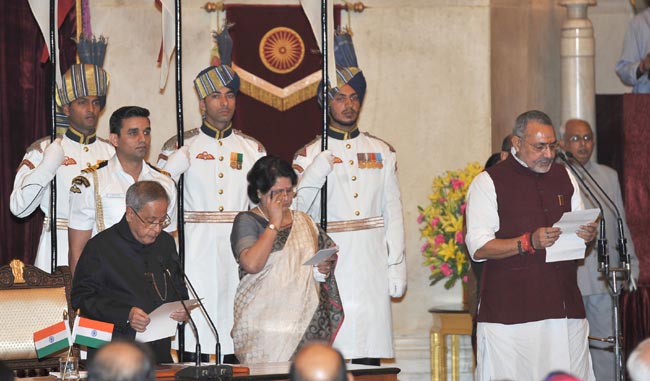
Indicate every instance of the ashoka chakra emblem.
{"type": "Point", "coordinates": [282, 50]}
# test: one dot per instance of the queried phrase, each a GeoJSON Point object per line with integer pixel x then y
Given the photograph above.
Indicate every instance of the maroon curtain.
{"type": "Point", "coordinates": [282, 133]}
{"type": "Point", "coordinates": [24, 114]}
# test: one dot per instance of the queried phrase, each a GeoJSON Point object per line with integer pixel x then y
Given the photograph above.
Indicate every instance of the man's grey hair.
{"type": "Point", "coordinates": [122, 360]}
{"type": "Point", "coordinates": [562, 129]}
{"type": "Point", "coordinates": [638, 364]}
{"type": "Point", "coordinates": [530, 116]}
{"type": "Point", "coordinates": [144, 192]}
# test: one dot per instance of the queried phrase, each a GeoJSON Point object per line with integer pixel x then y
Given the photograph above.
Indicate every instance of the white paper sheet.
{"type": "Point", "coordinates": [569, 246]}
{"type": "Point", "coordinates": [161, 325]}
{"type": "Point", "coordinates": [321, 255]}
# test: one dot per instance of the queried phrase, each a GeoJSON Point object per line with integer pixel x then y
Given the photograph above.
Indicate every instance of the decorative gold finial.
{"type": "Point", "coordinates": [355, 7]}
{"type": "Point", "coordinates": [213, 6]}
{"type": "Point", "coordinates": [17, 269]}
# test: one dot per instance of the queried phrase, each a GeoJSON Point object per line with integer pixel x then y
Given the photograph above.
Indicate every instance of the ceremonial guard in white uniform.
{"type": "Point", "coordinates": [364, 218]}
{"type": "Point", "coordinates": [98, 195]}
{"type": "Point", "coordinates": [81, 97]}
{"type": "Point", "coordinates": [215, 160]}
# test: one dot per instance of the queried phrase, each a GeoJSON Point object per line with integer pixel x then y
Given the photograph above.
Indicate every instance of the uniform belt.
{"type": "Point", "coordinates": [353, 225]}
{"type": "Point", "coordinates": [210, 217]}
{"type": "Point", "coordinates": [61, 224]}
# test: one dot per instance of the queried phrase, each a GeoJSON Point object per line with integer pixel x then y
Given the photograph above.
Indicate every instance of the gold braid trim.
{"type": "Point", "coordinates": [281, 99]}
{"type": "Point", "coordinates": [99, 209]}
{"type": "Point", "coordinates": [209, 217]}
{"type": "Point", "coordinates": [353, 225]}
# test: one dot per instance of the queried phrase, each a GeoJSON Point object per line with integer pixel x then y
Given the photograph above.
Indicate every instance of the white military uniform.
{"type": "Point", "coordinates": [32, 187]}
{"type": "Point", "coordinates": [364, 214]}
{"type": "Point", "coordinates": [214, 193]}
{"type": "Point", "coordinates": [108, 182]}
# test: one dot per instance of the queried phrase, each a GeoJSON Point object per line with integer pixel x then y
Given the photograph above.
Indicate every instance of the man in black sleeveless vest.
{"type": "Point", "coordinates": [531, 319]}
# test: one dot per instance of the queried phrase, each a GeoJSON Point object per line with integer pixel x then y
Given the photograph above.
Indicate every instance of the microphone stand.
{"type": "Point", "coordinates": [213, 372]}
{"type": "Point", "coordinates": [611, 274]}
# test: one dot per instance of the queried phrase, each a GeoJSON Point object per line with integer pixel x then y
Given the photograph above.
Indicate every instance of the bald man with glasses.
{"type": "Point", "coordinates": [130, 269]}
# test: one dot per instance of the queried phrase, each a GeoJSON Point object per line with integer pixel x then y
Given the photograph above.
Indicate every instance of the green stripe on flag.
{"type": "Point", "coordinates": [89, 341]}
{"type": "Point", "coordinates": [52, 348]}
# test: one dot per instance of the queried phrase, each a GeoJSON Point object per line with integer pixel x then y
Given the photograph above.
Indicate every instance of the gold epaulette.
{"type": "Point", "coordinates": [381, 140]}
{"type": "Point", "coordinates": [303, 151]}
{"type": "Point", "coordinates": [159, 170]}
{"type": "Point", "coordinates": [260, 146]}
{"type": "Point", "coordinates": [104, 140]}
{"type": "Point", "coordinates": [172, 143]}
{"type": "Point", "coordinates": [93, 168]}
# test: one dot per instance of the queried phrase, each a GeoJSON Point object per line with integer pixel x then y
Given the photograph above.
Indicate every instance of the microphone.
{"type": "Point", "coordinates": [213, 372]}
{"type": "Point", "coordinates": [603, 257]}
{"type": "Point", "coordinates": [624, 256]}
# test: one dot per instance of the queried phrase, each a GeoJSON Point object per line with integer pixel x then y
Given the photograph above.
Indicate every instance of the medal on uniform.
{"type": "Point", "coordinates": [362, 158]}
{"type": "Point", "coordinates": [236, 160]}
{"type": "Point", "coordinates": [380, 161]}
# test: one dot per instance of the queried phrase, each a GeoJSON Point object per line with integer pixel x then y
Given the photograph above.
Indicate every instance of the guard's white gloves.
{"type": "Point", "coordinates": [322, 165]}
{"type": "Point", "coordinates": [397, 279]}
{"type": "Point", "coordinates": [53, 158]}
{"type": "Point", "coordinates": [178, 162]}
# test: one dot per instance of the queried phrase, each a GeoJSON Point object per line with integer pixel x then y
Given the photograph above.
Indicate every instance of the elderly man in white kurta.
{"type": "Point", "coordinates": [215, 160]}
{"type": "Point", "coordinates": [98, 195]}
{"type": "Point", "coordinates": [77, 149]}
{"type": "Point", "coordinates": [364, 214]}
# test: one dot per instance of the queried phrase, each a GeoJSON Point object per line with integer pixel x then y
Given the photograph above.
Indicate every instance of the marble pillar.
{"type": "Point", "coordinates": [577, 52]}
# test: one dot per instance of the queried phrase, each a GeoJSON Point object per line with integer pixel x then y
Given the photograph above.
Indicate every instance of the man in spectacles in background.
{"type": "Point", "coordinates": [97, 196]}
{"type": "Point", "coordinates": [531, 319]}
{"type": "Point", "coordinates": [131, 268]}
{"type": "Point", "coordinates": [578, 139]}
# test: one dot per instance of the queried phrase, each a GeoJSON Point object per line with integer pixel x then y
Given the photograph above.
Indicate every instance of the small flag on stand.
{"type": "Point", "coordinates": [91, 333]}
{"type": "Point", "coordinates": [52, 339]}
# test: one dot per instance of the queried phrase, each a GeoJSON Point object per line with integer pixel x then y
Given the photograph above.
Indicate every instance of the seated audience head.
{"type": "Point", "coordinates": [495, 158]}
{"type": "Point", "coordinates": [534, 140]}
{"type": "Point", "coordinates": [122, 361]}
{"type": "Point", "coordinates": [560, 376]}
{"type": "Point", "coordinates": [638, 364]}
{"type": "Point", "coordinates": [577, 137]}
{"type": "Point", "coordinates": [318, 361]}
{"type": "Point", "coordinates": [266, 173]}
{"type": "Point", "coordinates": [146, 210]}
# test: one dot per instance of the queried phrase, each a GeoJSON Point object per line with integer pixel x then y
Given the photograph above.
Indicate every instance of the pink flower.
{"type": "Point", "coordinates": [420, 218]}
{"type": "Point", "coordinates": [425, 247]}
{"type": "Point", "coordinates": [440, 239]}
{"type": "Point", "coordinates": [432, 267]}
{"type": "Point", "coordinates": [455, 183]}
{"type": "Point", "coordinates": [435, 222]}
{"type": "Point", "coordinates": [442, 200]}
{"type": "Point", "coordinates": [465, 279]}
{"type": "Point", "coordinates": [459, 238]}
{"type": "Point", "coordinates": [444, 268]}
{"type": "Point", "coordinates": [462, 208]}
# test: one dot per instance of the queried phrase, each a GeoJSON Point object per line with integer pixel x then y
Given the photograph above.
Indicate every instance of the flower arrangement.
{"type": "Point", "coordinates": [442, 226]}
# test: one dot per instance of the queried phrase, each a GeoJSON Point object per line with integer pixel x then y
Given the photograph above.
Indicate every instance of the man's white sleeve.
{"type": "Point", "coordinates": [481, 213]}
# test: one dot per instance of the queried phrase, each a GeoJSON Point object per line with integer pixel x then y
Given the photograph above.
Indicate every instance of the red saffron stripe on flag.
{"type": "Point", "coordinates": [49, 331]}
{"type": "Point", "coordinates": [95, 324]}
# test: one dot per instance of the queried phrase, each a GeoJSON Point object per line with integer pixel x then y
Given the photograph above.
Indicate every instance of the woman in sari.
{"type": "Point", "coordinates": [280, 303]}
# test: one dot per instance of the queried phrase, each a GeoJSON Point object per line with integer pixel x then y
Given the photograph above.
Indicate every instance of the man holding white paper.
{"type": "Point", "coordinates": [531, 319]}
{"type": "Point", "coordinates": [128, 270]}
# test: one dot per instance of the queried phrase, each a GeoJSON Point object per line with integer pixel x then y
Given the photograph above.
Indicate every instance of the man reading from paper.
{"type": "Point", "coordinates": [531, 319]}
{"type": "Point", "coordinates": [131, 268]}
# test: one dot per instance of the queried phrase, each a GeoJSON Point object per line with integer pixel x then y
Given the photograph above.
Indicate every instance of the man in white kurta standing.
{"type": "Point", "coordinates": [215, 160]}
{"type": "Point", "coordinates": [98, 195]}
{"type": "Point", "coordinates": [531, 319]}
{"type": "Point", "coordinates": [364, 214]}
{"type": "Point", "coordinates": [578, 138]}
{"type": "Point", "coordinates": [82, 96]}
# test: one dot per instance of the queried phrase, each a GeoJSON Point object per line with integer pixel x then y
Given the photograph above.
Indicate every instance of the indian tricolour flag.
{"type": "Point", "coordinates": [52, 339]}
{"type": "Point", "coordinates": [91, 333]}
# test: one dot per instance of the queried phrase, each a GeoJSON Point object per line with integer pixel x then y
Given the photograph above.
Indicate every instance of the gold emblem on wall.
{"type": "Point", "coordinates": [282, 50]}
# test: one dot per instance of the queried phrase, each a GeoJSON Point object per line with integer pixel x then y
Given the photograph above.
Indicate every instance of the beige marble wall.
{"type": "Point", "coordinates": [525, 61]}
{"type": "Point", "coordinates": [428, 68]}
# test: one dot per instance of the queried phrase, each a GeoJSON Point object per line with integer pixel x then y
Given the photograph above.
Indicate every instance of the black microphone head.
{"type": "Point", "coordinates": [561, 155]}
{"type": "Point", "coordinates": [569, 154]}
